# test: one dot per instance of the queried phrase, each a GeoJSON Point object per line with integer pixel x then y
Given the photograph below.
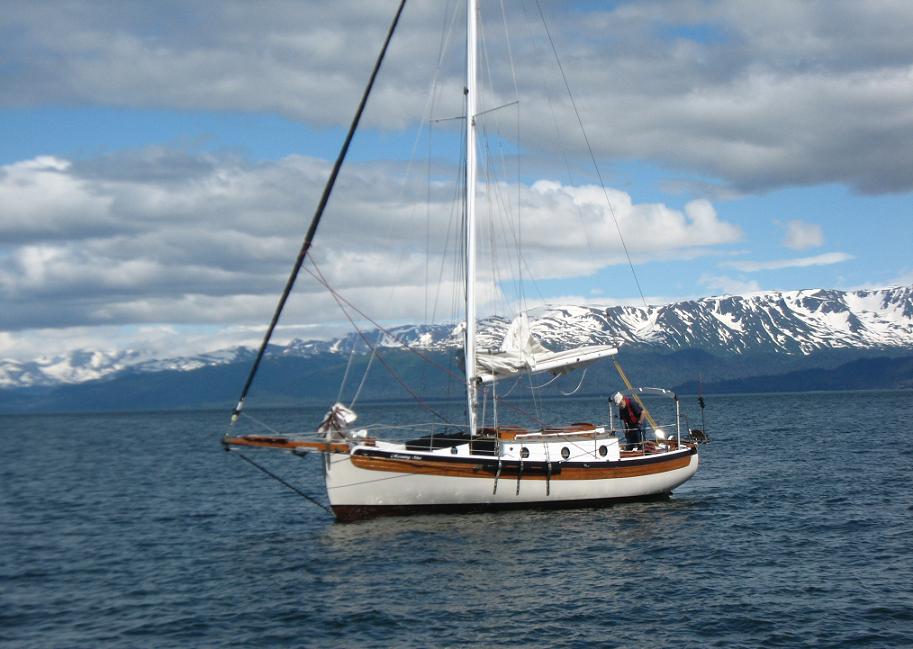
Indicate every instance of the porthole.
{"type": "Point", "coordinates": [603, 451]}
{"type": "Point", "coordinates": [453, 450]}
{"type": "Point", "coordinates": [565, 452]}
{"type": "Point", "coordinates": [524, 452]}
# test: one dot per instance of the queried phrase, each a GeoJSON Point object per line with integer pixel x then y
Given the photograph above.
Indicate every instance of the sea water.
{"type": "Point", "coordinates": [137, 530]}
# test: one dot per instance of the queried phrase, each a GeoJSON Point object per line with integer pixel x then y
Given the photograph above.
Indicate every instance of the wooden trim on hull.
{"type": "Point", "coordinates": [355, 513]}
{"type": "Point", "coordinates": [273, 441]}
{"type": "Point", "coordinates": [531, 470]}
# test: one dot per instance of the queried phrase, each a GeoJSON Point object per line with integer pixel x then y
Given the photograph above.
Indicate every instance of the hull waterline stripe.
{"type": "Point", "coordinates": [354, 513]}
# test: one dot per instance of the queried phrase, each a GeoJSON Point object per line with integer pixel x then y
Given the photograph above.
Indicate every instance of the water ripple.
{"type": "Point", "coordinates": [135, 530]}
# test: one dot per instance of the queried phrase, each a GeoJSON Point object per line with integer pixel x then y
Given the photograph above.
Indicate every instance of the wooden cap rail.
{"type": "Point", "coordinates": [269, 441]}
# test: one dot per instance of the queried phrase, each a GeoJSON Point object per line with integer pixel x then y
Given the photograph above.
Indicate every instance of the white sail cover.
{"type": "Point", "coordinates": [521, 352]}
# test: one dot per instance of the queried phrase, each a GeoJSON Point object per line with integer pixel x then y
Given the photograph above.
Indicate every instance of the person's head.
{"type": "Point", "coordinates": [618, 398]}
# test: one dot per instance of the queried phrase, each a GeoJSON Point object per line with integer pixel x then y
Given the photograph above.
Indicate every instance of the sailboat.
{"type": "Point", "coordinates": [483, 466]}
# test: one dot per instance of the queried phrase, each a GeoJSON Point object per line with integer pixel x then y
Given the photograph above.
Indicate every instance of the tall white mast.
{"type": "Point", "coordinates": [469, 348]}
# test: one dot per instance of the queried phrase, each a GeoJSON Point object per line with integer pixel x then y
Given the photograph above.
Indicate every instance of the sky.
{"type": "Point", "coordinates": [160, 162]}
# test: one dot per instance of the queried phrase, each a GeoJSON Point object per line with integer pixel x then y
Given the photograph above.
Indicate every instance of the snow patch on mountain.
{"type": "Point", "coordinates": [76, 367]}
{"type": "Point", "coordinates": [791, 322]}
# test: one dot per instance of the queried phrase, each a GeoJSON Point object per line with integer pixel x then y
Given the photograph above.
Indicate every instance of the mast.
{"type": "Point", "coordinates": [469, 350]}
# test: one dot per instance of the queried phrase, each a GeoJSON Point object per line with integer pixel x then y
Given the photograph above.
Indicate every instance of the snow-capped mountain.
{"type": "Point", "coordinates": [790, 322]}
{"type": "Point", "coordinates": [82, 365]}
{"type": "Point", "coordinates": [75, 367]}
{"type": "Point", "coordinates": [793, 322]}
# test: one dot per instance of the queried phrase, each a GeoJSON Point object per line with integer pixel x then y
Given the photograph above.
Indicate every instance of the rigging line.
{"type": "Point", "coordinates": [497, 108]}
{"type": "Point", "coordinates": [280, 480]}
{"type": "Point", "coordinates": [261, 423]}
{"type": "Point", "coordinates": [458, 219]}
{"type": "Point", "coordinates": [364, 378]}
{"type": "Point", "coordinates": [393, 372]}
{"type": "Point", "coordinates": [427, 112]}
{"type": "Point", "coordinates": [547, 383]}
{"type": "Point", "coordinates": [535, 396]}
{"type": "Point", "coordinates": [315, 221]}
{"type": "Point", "coordinates": [590, 150]}
{"type": "Point", "coordinates": [510, 52]}
{"type": "Point", "coordinates": [345, 375]}
{"type": "Point", "coordinates": [519, 232]}
{"type": "Point", "coordinates": [510, 406]}
{"type": "Point", "coordinates": [499, 205]}
{"type": "Point", "coordinates": [450, 236]}
{"type": "Point", "coordinates": [492, 196]}
{"type": "Point", "coordinates": [579, 385]}
{"type": "Point", "coordinates": [493, 189]}
{"type": "Point", "coordinates": [584, 451]}
{"type": "Point", "coordinates": [492, 172]}
{"type": "Point", "coordinates": [509, 391]}
{"type": "Point", "coordinates": [446, 119]}
{"type": "Point", "coordinates": [446, 33]}
{"type": "Point", "coordinates": [430, 425]}
{"type": "Point", "coordinates": [502, 213]}
{"type": "Point", "coordinates": [428, 221]}
{"type": "Point", "coordinates": [452, 228]}
{"type": "Point", "coordinates": [339, 300]}
{"type": "Point", "coordinates": [449, 233]}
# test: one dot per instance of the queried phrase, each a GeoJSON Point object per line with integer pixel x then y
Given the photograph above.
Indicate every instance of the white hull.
{"type": "Point", "coordinates": [356, 492]}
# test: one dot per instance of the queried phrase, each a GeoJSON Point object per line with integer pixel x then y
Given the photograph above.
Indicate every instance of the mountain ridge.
{"type": "Point", "coordinates": [802, 323]}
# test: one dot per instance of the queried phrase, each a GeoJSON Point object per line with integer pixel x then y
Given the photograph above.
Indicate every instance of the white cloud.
{"type": "Point", "coordinates": [743, 105]}
{"type": "Point", "coordinates": [903, 277]}
{"type": "Point", "coordinates": [778, 264]}
{"type": "Point", "coordinates": [801, 235]}
{"type": "Point", "coordinates": [602, 301]}
{"type": "Point", "coordinates": [208, 241]}
{"type": "Point", "coordinates": [42, 198]}
{"type": "Point", "coordinates": [151, 341]}
{"type": "Point", "coordinates": [174, 240]}
{"type": "Point", "coordinates": [560, 219]}
{"type": "Point", "coordinates": [9, 345]}
{"type": "Point", "coordinates": [724, 285]}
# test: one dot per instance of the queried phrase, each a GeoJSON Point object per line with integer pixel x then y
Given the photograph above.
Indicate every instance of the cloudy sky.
{"type": "Point", "coordinates": [159, 162]}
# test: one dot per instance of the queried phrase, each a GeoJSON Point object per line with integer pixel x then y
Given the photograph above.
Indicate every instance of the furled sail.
{"type": "Point", "coordinates": [521, 352]}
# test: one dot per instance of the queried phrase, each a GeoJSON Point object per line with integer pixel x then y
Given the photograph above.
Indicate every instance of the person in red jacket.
{"type": "Point", "coordinates": [630, 412]}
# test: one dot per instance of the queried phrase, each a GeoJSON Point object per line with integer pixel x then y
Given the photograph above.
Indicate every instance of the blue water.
{"type": "Point", "coordinates": [138, 531]}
